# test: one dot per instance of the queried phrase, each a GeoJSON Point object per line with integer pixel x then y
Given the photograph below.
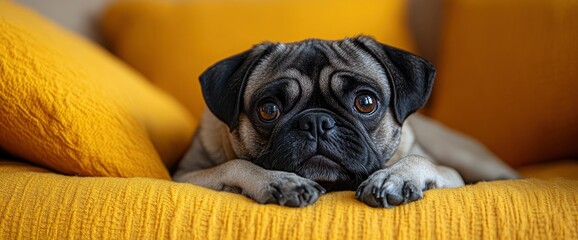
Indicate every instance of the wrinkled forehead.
{"type": "Point", "coordinates": [311, 63]}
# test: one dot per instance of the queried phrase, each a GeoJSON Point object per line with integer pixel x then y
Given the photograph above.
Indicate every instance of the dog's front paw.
{"type": "Point", "coordinates": [396, 185]}
{"type": "Point", "coordinates": [386, 189]}
{"type": "Point", "coordinates": [289, 189]}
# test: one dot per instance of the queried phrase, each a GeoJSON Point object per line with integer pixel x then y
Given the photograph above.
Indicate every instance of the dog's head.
{"type": "Point", "coordinates": [330, 111]}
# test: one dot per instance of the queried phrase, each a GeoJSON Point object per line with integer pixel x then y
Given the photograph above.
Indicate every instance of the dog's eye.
{"type": "Point", "coordinates": [268, 112]}
{"type": "Point", "coordinates": [365, 103]}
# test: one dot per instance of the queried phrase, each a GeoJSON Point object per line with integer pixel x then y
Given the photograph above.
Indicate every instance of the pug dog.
{"type": "Point", "coordinates": [288, 122]}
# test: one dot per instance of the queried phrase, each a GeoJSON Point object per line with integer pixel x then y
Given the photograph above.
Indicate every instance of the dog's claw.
{"type": "Point", "coordinates": [320, 188]}
{"type": "Point", "coordinates": [360, 190]}
{"type": "Point", "coordinates": [276, 194]}
{"type": "Point", "coordinates": [411, 192]}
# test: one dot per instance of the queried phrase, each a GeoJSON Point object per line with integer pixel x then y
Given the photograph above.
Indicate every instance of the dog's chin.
{"type": "Point", "coordinates": [322, 169]}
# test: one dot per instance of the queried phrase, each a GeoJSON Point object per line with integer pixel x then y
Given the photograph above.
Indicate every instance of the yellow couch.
{"type": "Point", "coordinates": [88, 143]}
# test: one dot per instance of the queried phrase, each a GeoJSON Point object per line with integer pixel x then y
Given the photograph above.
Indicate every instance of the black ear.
{"type": "Point", "coordinates": [223, 84]}
{"type": "Point", "coordinates": [410, 76]}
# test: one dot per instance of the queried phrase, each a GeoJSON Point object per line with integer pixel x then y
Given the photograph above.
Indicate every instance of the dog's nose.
{"type": "Point", "coordinates": [317, 124]}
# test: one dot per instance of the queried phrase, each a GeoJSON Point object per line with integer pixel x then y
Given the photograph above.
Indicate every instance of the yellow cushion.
{"type": "Point", "coordinates": [508, 76]}
{"type": "Point", "coordinates": [552, 169]}
{"type": "Point", "coordinates": [38, 204]}
{"type": "Point", "coordinates": [70, 106]}
{"type": "Point", "coordinates": [172, 42]}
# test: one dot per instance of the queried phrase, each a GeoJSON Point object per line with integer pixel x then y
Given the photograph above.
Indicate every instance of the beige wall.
{"type": "Point", "coordinates": [80, 16]}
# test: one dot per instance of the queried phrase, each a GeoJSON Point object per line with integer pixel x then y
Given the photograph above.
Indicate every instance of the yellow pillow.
{"type": "Point", "coordinates": [508, 75]}
{"type": "Point", "coordinates": [70, 106]}
{"type": "Point", "coordinates": [173, 42]}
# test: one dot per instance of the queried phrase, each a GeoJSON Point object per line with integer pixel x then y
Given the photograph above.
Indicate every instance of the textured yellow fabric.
{"type": "Point", "coordinates": [508, 76]}
{"type": "Point", "coordinates": [172, 42]}
{"type": "Point", "coordinates": [38, 204]}
{"type": "Point", "coordinates": [70, 106]}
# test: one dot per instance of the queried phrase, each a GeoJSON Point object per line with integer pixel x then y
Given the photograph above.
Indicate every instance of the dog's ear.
{"type": "Point", "coordinates": [410, 77]}
{"type": "Point", "coordinates": [223, 83]}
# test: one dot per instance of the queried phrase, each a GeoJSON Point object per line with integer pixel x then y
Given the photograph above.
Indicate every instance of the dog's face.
{"type": "Point", "coordinates": [330, 111]}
